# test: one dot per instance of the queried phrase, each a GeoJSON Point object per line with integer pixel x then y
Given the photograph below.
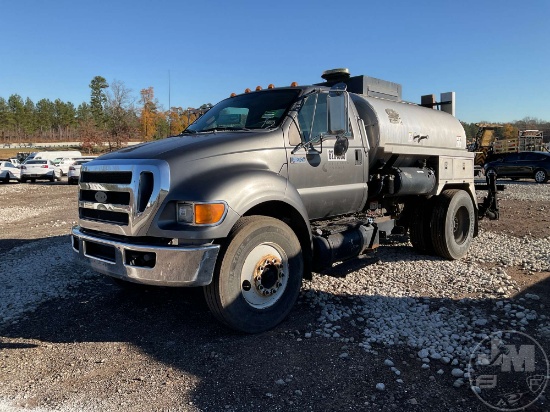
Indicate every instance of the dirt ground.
{"type": "Point", "coordinates": [147, 349]}
{"type": "Point", "coordinates": [534, 217]}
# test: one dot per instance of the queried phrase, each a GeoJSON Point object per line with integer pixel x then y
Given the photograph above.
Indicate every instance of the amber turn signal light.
{"type": "Point", "coordinates": [209, 213]}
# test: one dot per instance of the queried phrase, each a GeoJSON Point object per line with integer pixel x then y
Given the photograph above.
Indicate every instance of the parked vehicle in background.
{"type": "Point", "coordinates": [9, 171]}
{"type": "Point", "coordinates": [526, 165]}
{"type": "Point", "coordinates": [40, 170]}
{"type": "Point", "coordinates": [74, 171]}
{"type": "Point", "coordinates": [57, 154]}
{"type": "Point", "coordinates": [15, 161]}
{"type": "Point", "coordinates": [64, 164]}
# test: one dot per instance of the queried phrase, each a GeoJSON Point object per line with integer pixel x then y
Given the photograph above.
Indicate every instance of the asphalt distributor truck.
{"type": "Point", "coordinates": [271, 185]}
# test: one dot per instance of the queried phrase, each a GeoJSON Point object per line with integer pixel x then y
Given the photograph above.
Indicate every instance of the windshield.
{"type": "Point", "coordinates": [256, 110]}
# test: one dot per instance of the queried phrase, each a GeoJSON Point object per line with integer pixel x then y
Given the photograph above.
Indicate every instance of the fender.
{"type": "Point", "coordinates": [241, 188]}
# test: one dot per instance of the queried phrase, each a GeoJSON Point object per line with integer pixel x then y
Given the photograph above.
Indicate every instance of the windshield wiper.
{"type": "Point", "coordinates": [188, 131]}
{"type": "Point", "coordinates": [226, 128]}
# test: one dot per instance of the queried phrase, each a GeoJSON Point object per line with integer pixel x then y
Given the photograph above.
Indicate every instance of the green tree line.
{"type": "Point", "coordinates": [111, 118]}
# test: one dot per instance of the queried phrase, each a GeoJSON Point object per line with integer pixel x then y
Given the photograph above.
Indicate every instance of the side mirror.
{"type": "Point", "coordinates": [337, 110]}
{"type": "Point", "coordinates": [341, 146]}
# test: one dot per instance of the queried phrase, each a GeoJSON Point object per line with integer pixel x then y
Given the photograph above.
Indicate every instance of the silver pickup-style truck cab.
{"type": "Point", "coordinates": [269, 185]}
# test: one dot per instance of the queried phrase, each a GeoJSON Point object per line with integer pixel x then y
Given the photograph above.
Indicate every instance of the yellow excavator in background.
{"type": "Point", "coordinates": [483, 145]}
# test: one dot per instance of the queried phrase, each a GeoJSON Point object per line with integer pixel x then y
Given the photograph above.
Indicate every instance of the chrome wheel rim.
{"type": "Point", "coordinates": [264, 276]}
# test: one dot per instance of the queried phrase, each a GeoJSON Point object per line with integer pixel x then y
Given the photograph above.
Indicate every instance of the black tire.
{"type": "Point", "coordinates": [23, 180]}
{"type": "Point", "coordinates": [541, 176]}
{"type": "Point", "coordinates": [453, 223]}
{"type": "Point", "coordinates": [266, 251]}
{"type": "Point", "coordinates": [33, 180]}
{"type": "Point", "coordinates": [53, 177]}
{"type": "Point", "coordinates": [420, 226]}
{"type": "Point", "coordinates": [6, 179]}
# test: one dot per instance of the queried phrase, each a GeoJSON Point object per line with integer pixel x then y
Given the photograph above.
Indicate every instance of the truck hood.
{"type": "Point", "coordinates": [194, 147]}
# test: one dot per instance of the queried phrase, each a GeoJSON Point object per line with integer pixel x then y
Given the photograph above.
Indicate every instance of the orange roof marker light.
{"type": "Point", "coordinates": [294, 84]}
{"type": "Point", "coordinates": [271, 86]}
{"type": "Point", "coordinates": [247, 90]}
{"type": "Point", "coordinates": [258, 88]}
{"type": "Point", "coordinates": [233, 94]}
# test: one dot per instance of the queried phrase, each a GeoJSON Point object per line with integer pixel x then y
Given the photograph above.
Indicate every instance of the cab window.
{"type": "Point", "coordinates": [313, 119]}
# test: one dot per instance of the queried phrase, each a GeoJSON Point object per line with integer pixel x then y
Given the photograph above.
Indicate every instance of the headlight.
{"type": "Point", "coordinates": [201, 213]}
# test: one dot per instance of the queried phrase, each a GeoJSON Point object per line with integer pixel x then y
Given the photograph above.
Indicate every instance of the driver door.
{"type": "Point", "coordinates": [329, 185]}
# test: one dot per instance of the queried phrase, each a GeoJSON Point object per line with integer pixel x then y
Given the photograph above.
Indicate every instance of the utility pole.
{"type": "Point", "coordinates": [169, 106]}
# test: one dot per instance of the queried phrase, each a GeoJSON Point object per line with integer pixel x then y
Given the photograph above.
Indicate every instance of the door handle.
{"type": "Point", "coordinates": [358, 157]}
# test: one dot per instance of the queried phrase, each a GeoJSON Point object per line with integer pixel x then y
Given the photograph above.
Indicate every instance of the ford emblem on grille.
{"type": "Point", "coordinates": [101, 197]}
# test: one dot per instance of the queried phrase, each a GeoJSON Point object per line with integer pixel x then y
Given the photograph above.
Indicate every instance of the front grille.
{"type": "Point", "coordinates": [115, 198]}
{"type": "Point", "coordinates": [124, 178]}
{"type": "Point", "coordinates": [107, 216]}
{"type": "Point", "coordinates": [121, 196]}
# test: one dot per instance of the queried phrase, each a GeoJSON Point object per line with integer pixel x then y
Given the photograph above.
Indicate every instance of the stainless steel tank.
{"type": "Point", "coordinates": [408, 130]}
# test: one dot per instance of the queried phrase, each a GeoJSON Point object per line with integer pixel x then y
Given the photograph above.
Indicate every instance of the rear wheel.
{"type": "Point", "coordinates": [52, 177]}
{"type": "Point", "coordinates": [23, 180]}
{"type": "Point", "coordinates": [541, 176]}
{"type": "Point", "coordinates": [452, 224]}
{"type": "Point", "coordinates": [258, 275]}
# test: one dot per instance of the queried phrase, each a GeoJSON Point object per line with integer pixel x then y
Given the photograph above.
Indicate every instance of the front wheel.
{"type": "Point", "coordinates": [258, 275]}
{"type": "Point", "coordinates": [541, 176]}
{"type": "Point", "coordinates": [453, 223]}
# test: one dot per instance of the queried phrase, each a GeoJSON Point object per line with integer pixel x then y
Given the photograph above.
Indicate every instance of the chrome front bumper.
{"type": "Point", "coordinates": [172, 265]}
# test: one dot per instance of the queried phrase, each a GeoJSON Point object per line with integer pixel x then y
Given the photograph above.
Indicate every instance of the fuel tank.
{"type": "Point", "coordinates": [413, 132]}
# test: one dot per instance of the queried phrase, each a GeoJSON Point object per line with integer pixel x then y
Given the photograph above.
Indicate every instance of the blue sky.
{"type": "Point", "coordinates": [494, 54]}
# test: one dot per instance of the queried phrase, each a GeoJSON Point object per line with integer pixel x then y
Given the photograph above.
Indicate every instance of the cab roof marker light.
{"type": "Point", "coordinates": [233, 95]}
{"type": "Point", "coordinates": [258, 88]}
{"type": "Point", "coordinates": [271, 86]}
{"type": "Point", "coordinates": [247, 90]}
{"type": "Point", "coordinates": [294, 84]}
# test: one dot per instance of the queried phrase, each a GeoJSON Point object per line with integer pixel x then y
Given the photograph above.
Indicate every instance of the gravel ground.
{"type": "Point", "coordinates": [390, 331]}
